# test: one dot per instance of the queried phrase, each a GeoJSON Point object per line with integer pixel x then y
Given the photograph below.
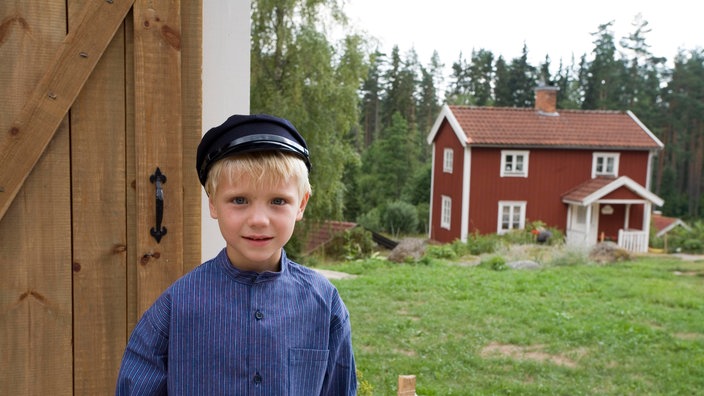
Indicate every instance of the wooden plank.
{"type": "Point", "coordinates": [406, 385]}
{"type": "Point", "coordinates": [35, 255]}
{"type": "Point", "coordinates": [24, 141]}
{"type": "Point", "coordinates": [158, 143]}
{"type": "Point", "coordinates": [99, 228]}
{"type": "Point", "coordinates": [130, 182]}
{"type": "Point", "coordinates": [192, 103]}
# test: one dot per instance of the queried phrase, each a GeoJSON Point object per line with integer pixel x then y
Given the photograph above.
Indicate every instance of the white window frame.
{"type": "Point", "coordinates": [505, 164]}
{"type": "Point", "coordinates": [447, 160]}
{"type": "Point", "coordinates": [446, 212]}
{"type": "Point", "coordinates": [605, 157]}
{"type": "Point", "coordinates": [512, 225]}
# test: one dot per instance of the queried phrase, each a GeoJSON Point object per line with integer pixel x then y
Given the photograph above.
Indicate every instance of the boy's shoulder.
{"type": "Point", "coordinates": [297, 270]}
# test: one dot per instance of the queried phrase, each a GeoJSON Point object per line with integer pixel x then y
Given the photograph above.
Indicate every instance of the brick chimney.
{"type": "Point", "coordinates": [546, 99]}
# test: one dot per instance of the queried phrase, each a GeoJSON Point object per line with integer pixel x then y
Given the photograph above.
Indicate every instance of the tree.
{"type": "Point", "coordinates": [371, 100]}
{"type": "Point", "coordinates": [684, 134]}
{"type": "Point", "coordinates": [388, 165]}
{"type": "Point", "coordinates": [569, 95]}
{"type": "Point", "coordinates": [481, 75]}
{"type": "Point", "coordinates": [514, 83]}
{"type": "Point", "coordinates": [458, 90]}
{"type": "Point", "coordinates": [298, 74]}
{"type": "Point", "coordinates": [602, 89]}
{"type": "Point", "coordinates": [643, 75]}
{"type": "Point", "coordinates": [503, 96]}
{"type": "Point", "coordinates": [400, 88]}
{"type": "Point", "coordinates": [428, 102]}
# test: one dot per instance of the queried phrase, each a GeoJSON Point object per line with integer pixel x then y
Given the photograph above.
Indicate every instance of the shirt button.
{"type": "Point", "coordinates": [259, 315]}
{"type": "Point", "coordinates": [257, 378]}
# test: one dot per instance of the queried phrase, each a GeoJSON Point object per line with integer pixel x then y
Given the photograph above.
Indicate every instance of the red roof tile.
{"type": "Point", "coordinates": [664, 224]}
{"type": "Point", "coordinates": [569, 128]}
{"type": "Point", "coordinates": [587, 188]}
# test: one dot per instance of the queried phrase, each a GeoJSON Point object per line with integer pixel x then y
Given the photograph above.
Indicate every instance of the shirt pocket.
{"type": "Point", "coordinates": [306, 371]}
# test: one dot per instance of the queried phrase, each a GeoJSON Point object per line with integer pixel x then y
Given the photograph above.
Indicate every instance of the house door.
{"type": "Point", "coordinates": [79, 251]}
{"type": "Point", "coordinates": [583, 225]}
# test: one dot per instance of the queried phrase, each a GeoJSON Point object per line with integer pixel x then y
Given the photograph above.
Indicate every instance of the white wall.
{"type": "Point", "coordinates": [226, 47]}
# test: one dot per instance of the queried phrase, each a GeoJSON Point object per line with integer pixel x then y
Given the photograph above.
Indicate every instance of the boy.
{"type": "Point", "coordinates": [250, 321]}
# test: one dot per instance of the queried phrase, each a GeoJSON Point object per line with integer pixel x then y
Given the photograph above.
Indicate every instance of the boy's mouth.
{"type": "Point", "coordinates": [258, 238]}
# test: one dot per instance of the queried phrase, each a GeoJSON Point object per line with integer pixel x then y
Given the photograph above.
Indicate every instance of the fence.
{"type": "Point", "coordinates": [633, 241]}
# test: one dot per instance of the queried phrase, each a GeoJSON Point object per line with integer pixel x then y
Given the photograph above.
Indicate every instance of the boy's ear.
{"type": "Point", "coordinates": [302, 208]}
{"type": "Point", "coordinates": [211, 205]}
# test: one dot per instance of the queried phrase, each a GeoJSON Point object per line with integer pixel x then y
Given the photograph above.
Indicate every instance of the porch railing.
{"type": "Point", "coordinates": [633, 241]}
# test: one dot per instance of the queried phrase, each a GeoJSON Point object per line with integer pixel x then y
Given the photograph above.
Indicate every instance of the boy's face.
{"type": "Point", "coordinates": [256, 219]}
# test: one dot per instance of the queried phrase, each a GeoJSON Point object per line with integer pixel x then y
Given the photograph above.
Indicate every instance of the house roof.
{"type": "Point", "coordinates": [595, 189]}
{"type": "Point", "coordinates": [664, 224]}
{"type": "Point", "coordinates": [508, 126]}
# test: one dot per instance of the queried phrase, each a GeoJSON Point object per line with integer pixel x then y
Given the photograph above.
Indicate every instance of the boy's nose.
{"type": "Point", "coordinates": [258, 216]}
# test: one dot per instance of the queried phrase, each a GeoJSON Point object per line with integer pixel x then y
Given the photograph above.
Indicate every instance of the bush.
{"type": "Point", "coordinates": [441, 252]}
{"type": "Point", "coordinates": [496, 263]}
{"type": "Point", "coordinates": [399, 218]}
{"type": "Point", "coordinates": [371, 220]}
{"type": "Point", "coordinates": [480, 244]}
{"type": "Point", "coordinates": [687, 241]}
{"type": "Point", "coordinates": [423, 210]}
{"type": "Point", "coordinates": [352, 244]}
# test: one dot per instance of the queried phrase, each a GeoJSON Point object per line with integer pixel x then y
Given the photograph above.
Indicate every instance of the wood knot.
{"type": "Point", "coordinates": [119, 248]}
{"type": "Point", "coordinates": [171, 36]}
{"type": "Point", "coordinates": [148, 256]}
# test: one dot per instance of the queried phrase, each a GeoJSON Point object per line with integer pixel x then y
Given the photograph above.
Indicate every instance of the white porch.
{"type": "Point", "coordinates": [594, 197]}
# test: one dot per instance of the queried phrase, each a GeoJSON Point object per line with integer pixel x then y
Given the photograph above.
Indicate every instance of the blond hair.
{"type": "Point", "coordinates": [268, 167]}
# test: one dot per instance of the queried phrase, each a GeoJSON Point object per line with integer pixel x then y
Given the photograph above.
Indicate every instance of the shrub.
{"type": "Point", "coordinates": [352, 244]}
{"type": "Point", "coordinates": [480, 244]}
{"type": "Point", "coordinates": [371, 220]}
{"type": "Point", "coordinates": [423, 211]}
{"type": "Point", "coordinates": [365, 388]}
{"type": "Point", "coordinates": [687, 241]}
{"type": "Point", "coordinates": [441, 252]}
{"type": "Point", "coordinates": [399, 218]}
{"type": "Point", "coordinates": [496, 263]}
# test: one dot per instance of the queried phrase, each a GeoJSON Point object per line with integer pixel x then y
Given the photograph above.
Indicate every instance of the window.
{"type": "Point", "coordinates": [446, 212]}
{"type": "Point", "coordinates": [514, 163]}
{"type": "Point", "coordinates": [605, 164]}
{"type": "Point", "coordinates": [512, 216]}
{"type": "Point", "coordinates": [448, 155]}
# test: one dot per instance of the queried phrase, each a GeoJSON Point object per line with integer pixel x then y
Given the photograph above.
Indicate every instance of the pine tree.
{"type": "Point", "coordinates": [602, 88]}
{"type": "Point", "coordinates": [371, 100]}
{"type": "Point", "coordinates": [684, 134]}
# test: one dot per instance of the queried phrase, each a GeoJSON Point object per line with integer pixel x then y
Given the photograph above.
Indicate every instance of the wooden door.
{"type": "Point", "coordinates": [79, 264]}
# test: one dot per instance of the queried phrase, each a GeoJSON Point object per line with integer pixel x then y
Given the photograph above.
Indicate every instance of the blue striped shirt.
{"type": "Point", "coordinates": [221, 331]}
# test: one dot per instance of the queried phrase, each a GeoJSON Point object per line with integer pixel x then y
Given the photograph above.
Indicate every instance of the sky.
{"type": "Point", "coordinates": [561, 29]}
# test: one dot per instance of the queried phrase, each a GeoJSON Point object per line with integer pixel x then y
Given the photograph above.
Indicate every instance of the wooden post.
{"type": "Point", "coordinates": [406, 385]}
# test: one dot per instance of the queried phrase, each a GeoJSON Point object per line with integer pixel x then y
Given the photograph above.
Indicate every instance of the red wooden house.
{"type": "Point", "coordinates": [584, 172]}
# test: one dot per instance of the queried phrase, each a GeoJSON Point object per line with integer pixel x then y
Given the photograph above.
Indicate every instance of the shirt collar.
{"type": "Point", "coordinates": [251, 277]}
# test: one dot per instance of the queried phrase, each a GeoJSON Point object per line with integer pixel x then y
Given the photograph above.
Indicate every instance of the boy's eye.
{"type": "Point", "coordinates": [278, 201]}
{"type": "Point", "coordinates": [239, 200]}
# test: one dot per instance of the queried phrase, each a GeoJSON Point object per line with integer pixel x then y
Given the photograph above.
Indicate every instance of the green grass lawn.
{"type": "Point", "coordinates": [631, 328]}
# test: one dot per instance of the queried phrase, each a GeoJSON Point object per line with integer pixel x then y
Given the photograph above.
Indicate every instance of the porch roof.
{"type": "Point", "coordinates": [596, 189]}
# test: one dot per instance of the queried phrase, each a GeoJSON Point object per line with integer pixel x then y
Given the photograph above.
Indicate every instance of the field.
{"type": "Point", "coordinates": [628, 328]}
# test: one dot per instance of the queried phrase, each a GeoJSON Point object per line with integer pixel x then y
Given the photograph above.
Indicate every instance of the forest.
{"type": "Point", "coordinates": [366, 113]}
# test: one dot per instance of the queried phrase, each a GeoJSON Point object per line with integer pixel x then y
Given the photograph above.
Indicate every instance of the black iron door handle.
{"type": "Point", "coordinates": [158, 179]}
